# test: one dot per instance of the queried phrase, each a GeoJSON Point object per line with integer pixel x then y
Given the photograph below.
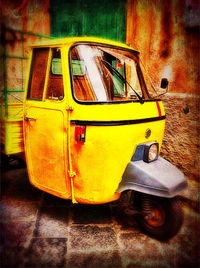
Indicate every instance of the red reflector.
{"type": "Point", "coordinates": [80, 133]}
{"type": "Point", "coordinates": [158, 107]}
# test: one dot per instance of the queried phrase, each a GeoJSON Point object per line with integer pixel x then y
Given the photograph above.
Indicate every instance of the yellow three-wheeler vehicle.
{"type": "Point", "coordinates": [92, 131]}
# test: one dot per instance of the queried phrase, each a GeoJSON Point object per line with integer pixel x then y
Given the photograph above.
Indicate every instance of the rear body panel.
{"type": "Point", "coordinates": [12, 141]}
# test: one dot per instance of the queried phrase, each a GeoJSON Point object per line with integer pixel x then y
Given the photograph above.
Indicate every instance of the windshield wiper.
{"type": "Point", "coordinates": [111, 68]}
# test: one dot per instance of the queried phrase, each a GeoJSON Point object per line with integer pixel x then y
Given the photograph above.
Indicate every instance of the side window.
{"type": "Point", "coordinates": [55, 90]}
{"type": "Point", "coordinates": [38, 73]}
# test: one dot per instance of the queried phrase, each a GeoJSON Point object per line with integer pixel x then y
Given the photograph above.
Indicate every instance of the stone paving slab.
{"type": "Point", "coordinates": [12, 254]}
{"type": "Point", "coordinates": [103, 259]}
{"type": "Point", "coordinates": [47, 231]}
{"type": "Point", "coordinates": [52, 222]}
{"type": "Point", "coordinates": [17, 231]}
{"type": "Point", "coordinates": [92, 238]}
{"type": "Point", "coordinates": [18, 211]}
{"type": "Point", "coordinates": [46, 252]}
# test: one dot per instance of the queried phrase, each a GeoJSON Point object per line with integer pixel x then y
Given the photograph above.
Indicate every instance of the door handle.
{"type": "Point", "coordinates": [29, 119]}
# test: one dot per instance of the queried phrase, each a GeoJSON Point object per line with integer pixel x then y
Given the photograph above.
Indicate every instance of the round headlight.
{"type": "Point", "coordinates": [150, 152]}
{"type": "Point", "coordinates": [153, 152]}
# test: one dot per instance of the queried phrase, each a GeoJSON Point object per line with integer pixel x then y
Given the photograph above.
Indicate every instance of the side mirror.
{"type": "Point", "coordinates": [164, 83]}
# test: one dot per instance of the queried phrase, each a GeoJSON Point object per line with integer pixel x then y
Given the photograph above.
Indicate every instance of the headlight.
{"type": "Point", "coordinates": [147, 152]}
{"type": "Point", "coordinates": [151, 152]}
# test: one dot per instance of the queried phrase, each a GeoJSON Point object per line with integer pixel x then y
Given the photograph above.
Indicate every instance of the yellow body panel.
{"type": "Point", "coordinates": [12, 129]}
{"type": "Point", "coordinates": [101, 161]}
{"type": "Point", "coordinates": [87, 172]}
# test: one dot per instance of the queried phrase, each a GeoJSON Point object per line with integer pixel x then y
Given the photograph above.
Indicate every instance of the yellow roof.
{"type": "Point", "coordinates": [72, 40]}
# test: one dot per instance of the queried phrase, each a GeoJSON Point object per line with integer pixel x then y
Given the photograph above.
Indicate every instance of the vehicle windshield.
{"type": "Point", "coordinates": [104, 74]}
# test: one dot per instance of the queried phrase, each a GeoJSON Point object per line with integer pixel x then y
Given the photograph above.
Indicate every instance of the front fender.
{"type": "Point", "coordinates": [159, 178]}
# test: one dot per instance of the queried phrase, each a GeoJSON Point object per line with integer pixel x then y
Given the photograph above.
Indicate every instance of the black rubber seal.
{"type": "Point", "coordinates": [117, 123]}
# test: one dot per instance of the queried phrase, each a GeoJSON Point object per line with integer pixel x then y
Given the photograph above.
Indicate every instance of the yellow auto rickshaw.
{"type": "Point", "coordinates": [92, 131]}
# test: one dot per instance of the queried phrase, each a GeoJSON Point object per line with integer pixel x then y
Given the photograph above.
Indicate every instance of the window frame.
{"type": "Point", "coordinates": [48, 69]}
{"type": "Point", "coordinates": [139, 72]}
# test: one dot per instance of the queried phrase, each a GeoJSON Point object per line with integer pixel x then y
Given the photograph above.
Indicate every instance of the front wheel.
{"type": "Point", "coordinates": [160, 217]}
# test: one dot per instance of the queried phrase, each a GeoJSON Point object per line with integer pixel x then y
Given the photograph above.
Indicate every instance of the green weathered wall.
{"type": "Point", "coordinates": [105, 18]}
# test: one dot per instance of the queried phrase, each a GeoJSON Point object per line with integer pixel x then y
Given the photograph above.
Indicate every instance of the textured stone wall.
{"type": "Point", "coordinates": [181, 139]}
{"type": "Point", "coordinates": [26, 15]}
{"type": "Point", "coordinates": [166, 32]}
{"type": "Point", "coordinates": [17, 20]}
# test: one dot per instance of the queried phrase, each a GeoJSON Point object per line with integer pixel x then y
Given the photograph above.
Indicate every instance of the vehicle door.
{"type": "Point", "coordinates": [45, 123]}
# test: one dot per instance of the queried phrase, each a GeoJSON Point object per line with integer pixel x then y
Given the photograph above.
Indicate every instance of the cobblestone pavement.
{"type": "Point", "coordinates": [40, 230]}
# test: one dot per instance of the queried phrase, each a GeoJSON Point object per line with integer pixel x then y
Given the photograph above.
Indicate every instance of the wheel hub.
{"type": "Point", "coordinates": [156, 217]}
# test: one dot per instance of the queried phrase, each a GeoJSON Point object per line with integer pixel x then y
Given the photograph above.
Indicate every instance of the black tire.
{"type": "Point", "coordinates": [169, 221]}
